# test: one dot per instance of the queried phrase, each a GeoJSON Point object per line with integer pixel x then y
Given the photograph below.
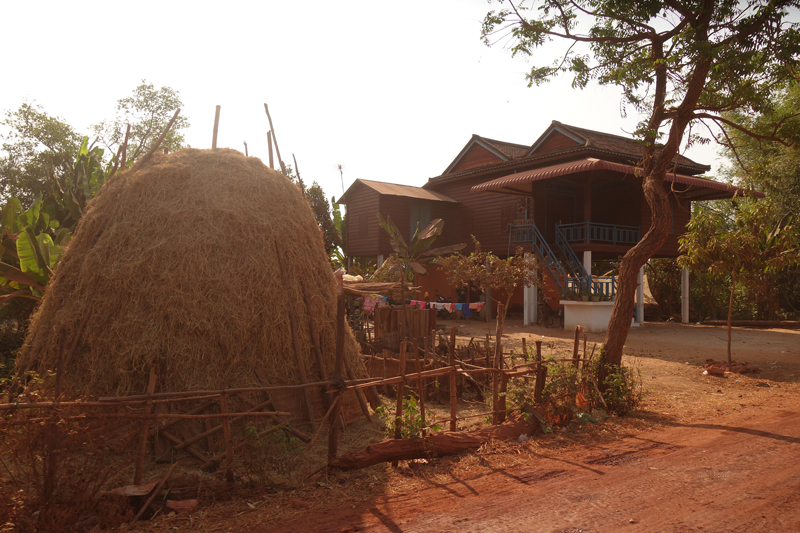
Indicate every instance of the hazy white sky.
{"type": "Point", "coordinates": [391, 90]}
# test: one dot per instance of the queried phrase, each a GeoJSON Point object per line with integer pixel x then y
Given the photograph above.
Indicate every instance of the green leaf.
{"type": "Point", "coordinates": [31, 258]}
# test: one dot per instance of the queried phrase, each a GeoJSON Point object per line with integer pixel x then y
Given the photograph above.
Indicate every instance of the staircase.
{"type": "Point", "coordinates": [562, 266]}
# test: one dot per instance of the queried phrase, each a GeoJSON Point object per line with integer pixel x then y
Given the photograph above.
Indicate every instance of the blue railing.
{"type": "Point", "coordinates": [601, 233]}
{"type": "Point", "coordinates": [575, 265]}
{"type": "Point", "coordinates": [529, 233]}
{"type": "Point", "coordinates": [576, 280]}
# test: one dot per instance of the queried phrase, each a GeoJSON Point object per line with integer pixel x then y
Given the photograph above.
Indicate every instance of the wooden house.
{"type": "Point", "coordinates": [572, 197]}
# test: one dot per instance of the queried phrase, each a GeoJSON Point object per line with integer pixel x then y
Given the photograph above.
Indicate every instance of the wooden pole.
{"type": "Point", "coordinates": [498, 364]}
{"type": "Point", "coordinates": [420, 387]}
{"type": "Point", "coordinates": [524, 350]}
{"type": "Point", "coordinates": [398, 415]}
{"type": "Point", "coordinates": [275, 140]}
{"type": "Point", "coordinates": [333, 436]}
{"type": "Point", "coordinates": [158, 142]}
{"type": "Point", "coordinates": [216, 128]}
{"type": "Point", "coordinates": [245, 149]}
{"type": "Point", "coordinates": [269, 144]}
{"type": "Point", "coordinates": [502, 403]}
{"type": "Point", "coordinates": [155, 492]}
{"type": "Point", "coordinates": [145, 429]}
{"type": "Point", "coordinates": [453, 383]}
{"type": "Point", "coordinates": [226, 428]}
{"type": "Point", "coordinates": [298, 349]}
{"type": "Point", "coordinates": [541, 374]}
{"type": "Point", "coordinates": [575, 354]}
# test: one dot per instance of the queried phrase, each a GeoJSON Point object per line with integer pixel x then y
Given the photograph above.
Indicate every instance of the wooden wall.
{"type": "Point", "coordinates": [362, 224]}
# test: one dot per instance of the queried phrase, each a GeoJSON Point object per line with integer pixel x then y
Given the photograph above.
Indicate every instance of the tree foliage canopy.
{"type": "Point", "coordinates": [679, 63]}
{"type": "Point", "coordinates": [35, 147]}
{"type": "Point", "coordinates": [148, 111]}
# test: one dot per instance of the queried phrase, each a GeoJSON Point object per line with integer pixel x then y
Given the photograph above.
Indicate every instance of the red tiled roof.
{"type": "Point", "coordinates": [511, 184]}
{"type": "Point", "coordinates": [619, 144]}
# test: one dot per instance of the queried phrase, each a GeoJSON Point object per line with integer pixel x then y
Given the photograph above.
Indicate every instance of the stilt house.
{"type": "Point", "coordinates": [573, 197]}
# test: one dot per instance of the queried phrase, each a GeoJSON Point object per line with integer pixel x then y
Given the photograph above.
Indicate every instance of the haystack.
{"type": "Point", "coordinates": [177, 264]}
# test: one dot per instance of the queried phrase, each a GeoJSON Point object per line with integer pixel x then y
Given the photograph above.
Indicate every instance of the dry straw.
{"type": "Point", "coordinates": [175, 264]}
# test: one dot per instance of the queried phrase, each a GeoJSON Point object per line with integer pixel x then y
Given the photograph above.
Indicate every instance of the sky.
{"type": "Point", "coordinates": [392, 91]}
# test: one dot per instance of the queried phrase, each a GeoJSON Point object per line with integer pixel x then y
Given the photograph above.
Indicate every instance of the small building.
{"type": "Point", "coordinates": [573, 197]}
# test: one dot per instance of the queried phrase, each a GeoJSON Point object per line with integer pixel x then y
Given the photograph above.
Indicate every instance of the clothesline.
{"type": "Point", "coordinates": [373, 301]}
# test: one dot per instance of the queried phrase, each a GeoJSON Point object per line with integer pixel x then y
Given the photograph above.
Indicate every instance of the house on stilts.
{"type": "Point", "coordinates": [573, 198]}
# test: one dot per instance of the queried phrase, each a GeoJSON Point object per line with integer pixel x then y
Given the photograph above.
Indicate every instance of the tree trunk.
{"type": "Point", "coordinates": [634, 259]}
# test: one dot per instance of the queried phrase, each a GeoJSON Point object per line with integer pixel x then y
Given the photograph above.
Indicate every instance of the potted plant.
{"type": "Point", "coordinates": [585, 295]}
{"type": "Point", "coordinates": [596, 297]}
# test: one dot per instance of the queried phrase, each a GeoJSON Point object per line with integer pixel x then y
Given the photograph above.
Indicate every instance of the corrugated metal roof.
{"type": "Point", "coordinates": [395, 189]}
{"type": "Point", "coordinates": [510, 184]}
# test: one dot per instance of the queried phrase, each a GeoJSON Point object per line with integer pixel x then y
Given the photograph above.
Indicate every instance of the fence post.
{"type": "Point", "coordinates": [541, 374]}
{"type": "Point", "coordinates": [145, 430]}
{"type": "Point", "coordinates": [420, 387]}
{"type": "Point", "coordinates": [398, 415]}
{"type": "Point", "coordinates": [226, 428]}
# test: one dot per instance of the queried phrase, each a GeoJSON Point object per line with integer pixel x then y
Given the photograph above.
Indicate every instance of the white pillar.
{"type": "Point", "coordinates": [640, 297]}
{"type": "Point", "coordinates": [587, 262]}
{"type": "Point", "coordinates": [380, 260]}
{"type": "Point", "coordinates": [685, 295]}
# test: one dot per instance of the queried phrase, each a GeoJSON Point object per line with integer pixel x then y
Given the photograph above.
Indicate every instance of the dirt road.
{"type": "Point", "coordinates": [737, 473]}
{"type": "Point", "coordinates": [726, 456]}
{"type": "Point", "coordinates": [704, 454]}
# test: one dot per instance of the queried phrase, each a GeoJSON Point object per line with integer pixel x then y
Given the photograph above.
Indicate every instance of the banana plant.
{"type": "Point", "coordinates": [31, 245]}
{"type": "Point", "coordinates": [417, 253]}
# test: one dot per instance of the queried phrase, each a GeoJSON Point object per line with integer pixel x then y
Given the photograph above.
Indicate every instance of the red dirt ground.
{"type": "Point", "coordinates": [705, 454]}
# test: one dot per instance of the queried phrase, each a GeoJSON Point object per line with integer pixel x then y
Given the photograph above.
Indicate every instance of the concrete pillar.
{"type": "Point", "coordinates": [685, 295]}
{"type": "Point", "coordinates": [380, 260]}
{"type": "Point", "coordinates": [587, 262]}
{"type": "Point", "coordinates": [640, 297]}
{"type": "Point", "coordinates": [531, 300]}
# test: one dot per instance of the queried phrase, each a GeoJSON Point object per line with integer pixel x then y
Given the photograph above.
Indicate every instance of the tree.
{"type": "Point", "coordinates": [487, 271]}
{"type": "Point", "coordinates": [322, 212]}
{"type": "Point", "coordinates": [680, 63]}
{"type": "Point", "coordinates": [36, 148]}
{"type": "Point", "coordinates": [147, 111]}
{"type": "Point", "coordinates": [764, 164]}
{"type": "Point", "coordinates": [749, 246]}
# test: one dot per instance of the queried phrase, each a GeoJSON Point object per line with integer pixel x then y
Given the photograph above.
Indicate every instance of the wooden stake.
{"type": "Point", "coordinates": [420, 388]}
{"type": "Point", "coordinates": [575, 354]}
{"type": "Point", "coordinates": [157, 144]}
{"type": "Point", "coordinates": [398, 416]}
{"type": "Point", "coordinates": [275, 140]}
{"type": "Point", "coordinates": [245, 149]}
{"type": "Point", "coordinates": [541, 375]}
{"type": "Point", "coordinates": [502, 403]}
{"type": "Point", "coordinates": [216, 127]}
{"type": "Point", "coordinates": [226, 428]}
{"type": "Point", "coordinates": [145, 430]}
{"type": "Point", "coordinates": [524, 350]}
{"type": "Point", "coordinates": [155, 492]}
{"type": "Point", "coordinates": [269, 144]}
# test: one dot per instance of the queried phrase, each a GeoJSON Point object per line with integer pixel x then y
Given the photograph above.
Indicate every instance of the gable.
{"type": "Point", "coordinates": [554, 141]}
{"type": "Point", "coordinates": [475, 156]}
